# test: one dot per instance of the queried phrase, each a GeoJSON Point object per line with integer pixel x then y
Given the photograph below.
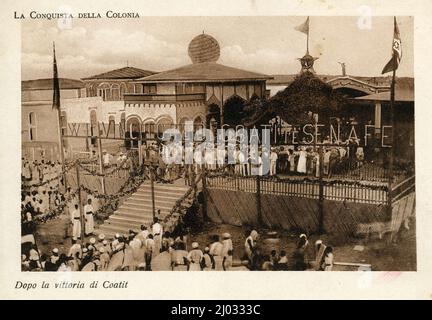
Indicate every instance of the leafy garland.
{"type": "Point", "coordinates": [56, 212]}
{"type": "Point", "coordinates": [106, 173]}
{"type": "Point", "coordinates": [133, 183]}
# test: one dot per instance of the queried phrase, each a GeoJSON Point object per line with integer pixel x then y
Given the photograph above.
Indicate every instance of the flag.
{"type": "Point", "coordinates": [304, 27]}
{"type": "Point", "coordinates": [396, 51]}
{"type": "Point", "coordinates": [56, 86]}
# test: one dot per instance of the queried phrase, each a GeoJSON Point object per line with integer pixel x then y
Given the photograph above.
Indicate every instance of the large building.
{"type": "Point", "coordinates": [205, 92]}
{"type": "Point", "coordinates": [39, 122]}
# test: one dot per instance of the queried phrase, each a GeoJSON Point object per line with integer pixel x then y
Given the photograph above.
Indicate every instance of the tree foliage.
{"type": "Point", "coordinates": [306, 95]}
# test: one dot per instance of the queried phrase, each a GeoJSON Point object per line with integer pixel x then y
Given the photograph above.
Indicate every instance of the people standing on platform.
{"type": "Point", "coordinates": [106, 158]}
{"type": "Point", "coordinates": [301, 165]}
{"type": "Point", "coordinates": [291, 161]}
{"type": "Point", "coordinates": [243, 162]}
{"type": "Point", "coordinates": [273, 161]}
{"type": "Point", "coordinates": [89, 219]}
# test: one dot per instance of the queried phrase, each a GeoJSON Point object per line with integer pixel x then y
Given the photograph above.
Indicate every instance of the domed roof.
{"type": "Point", "coordinates": [204, 48]}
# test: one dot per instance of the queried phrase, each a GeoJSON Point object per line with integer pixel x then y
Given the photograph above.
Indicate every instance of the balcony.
{"type": "Point", "coordinates": [152, 97]}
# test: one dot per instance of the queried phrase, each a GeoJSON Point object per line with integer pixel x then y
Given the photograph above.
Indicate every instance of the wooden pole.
{"type": "Point", "coordinates": [101, 168]}
{"type": "Point", "coordinates": [61, 147]}
{"type": "Point", "coordinates": [81, 208]}
{"type": "Point", "coordinates": [258, 200]}
{"type": "Point", "coordinates": [321, 229]}
{"type": "Point", "coordinates": [152, 190]}
{"type": "Point", "coordinates": [391, 173]}
{"type": "Point", "coordinates": [204, 191]}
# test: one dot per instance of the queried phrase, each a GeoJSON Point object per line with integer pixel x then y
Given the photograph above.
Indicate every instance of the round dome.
{"type": "Point", "coordinates": [204, 48]}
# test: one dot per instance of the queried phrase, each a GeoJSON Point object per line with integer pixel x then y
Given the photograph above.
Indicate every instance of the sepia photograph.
{"type": "Point", "coordinates": [231, 143]}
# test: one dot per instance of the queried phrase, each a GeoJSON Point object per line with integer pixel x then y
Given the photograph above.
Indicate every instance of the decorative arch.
{"type": "Point", "coordinates": [354, 85]}
{"type": "Point", "coordinates": [163, 122]}
{"type": "Point", "coordinates": [104, 90]}
{"type": "Point", "coordinates": [213, 115]}
{"type": "Point", "coordinates": [198, 122]}
{"type": "Point", "coordinates": [133, 129]}
{"type": "Point", "coordinates": [182, 123]}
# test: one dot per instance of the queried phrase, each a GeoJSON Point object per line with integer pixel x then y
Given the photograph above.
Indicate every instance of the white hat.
{"type": "Point", "coordinates": [226, 235]}
{"type": "Point", "coordinates": [101, 236]}
{"type": "Point", "coordinates": [92, 240]}
{"type": "Point", "coordinates": [195, 245]}
{"type": "Point", "coordinates": [84, 250]}
{"type": "Point", "coordinates": [55, 250]}
{"type": "Point", "coordinates": [105, 242]}
{"type": "Point", "coordinates": [101, 250]}
{"type": "Point", "coordinates": [117, 235]}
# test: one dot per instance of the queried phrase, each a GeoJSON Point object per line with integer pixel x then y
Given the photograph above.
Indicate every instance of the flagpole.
{"type": "Point", "coordinates": [392, 98]}
{"type": "Point", "coordinates": [307, 38]}
{"type": "Point", "coordinates": [60, 135]}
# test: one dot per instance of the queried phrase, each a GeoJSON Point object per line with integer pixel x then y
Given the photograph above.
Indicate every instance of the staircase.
{"type": "Point", "coordinates": [137, 209]}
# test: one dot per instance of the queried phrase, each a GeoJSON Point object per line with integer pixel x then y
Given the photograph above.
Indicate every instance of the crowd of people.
{"type": "Point", "coordinates": [153, 249]}
{"type": "Point", "coordinates": [300, 160]}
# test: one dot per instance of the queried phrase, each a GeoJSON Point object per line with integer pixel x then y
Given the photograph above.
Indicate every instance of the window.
{"type": "Point", "coordinates": [149, 88]}
{"type": "Point", "coordinates": [104, 91]}
{"type": "Point", "coordinates": [115, 92]}
{"type": "Point", "coordinates": [123, 90]}
{"type": "Point", "coordinates": [32, 126]}
{"type": "Point", "coordinates": [111, 125]}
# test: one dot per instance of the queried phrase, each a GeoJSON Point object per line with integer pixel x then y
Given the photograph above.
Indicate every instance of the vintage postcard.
{"type": "Point", "coordinates": [285, 138]}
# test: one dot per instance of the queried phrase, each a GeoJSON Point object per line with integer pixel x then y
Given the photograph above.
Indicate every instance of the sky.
{"type": "Point", "coordinates": [268, 45]}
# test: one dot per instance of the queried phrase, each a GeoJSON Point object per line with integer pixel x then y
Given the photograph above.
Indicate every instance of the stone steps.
{"type": "Point", "coordinates": [137, 209]}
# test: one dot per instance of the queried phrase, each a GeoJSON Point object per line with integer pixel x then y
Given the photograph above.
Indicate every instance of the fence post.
{"type": "Point", "coordinates": [81, 208]}
{"type": "Point", "coordinates": [321, 193]}
{"type": "Point", "coordinates": [204, 192]}
{"type": "Point", "coordinates": [258, 200]}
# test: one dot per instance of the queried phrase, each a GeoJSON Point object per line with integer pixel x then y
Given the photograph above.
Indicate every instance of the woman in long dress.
{"type": "Point", "coordinates": [301, 166]}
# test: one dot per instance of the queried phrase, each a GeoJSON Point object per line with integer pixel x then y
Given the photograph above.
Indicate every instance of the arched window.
{"type": "Point", "coordinates": [111, 125]}
{"type": "Point", "coordinates": [115, 92]}
{"type": "Point", "coordinates": [104, 91]}
{"type": "Point", "coordinates": [198, 123]}
{"type": "Point", "coordinates": [32, 126]}
{"type": "Point", "coordinates": [163, 124]}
